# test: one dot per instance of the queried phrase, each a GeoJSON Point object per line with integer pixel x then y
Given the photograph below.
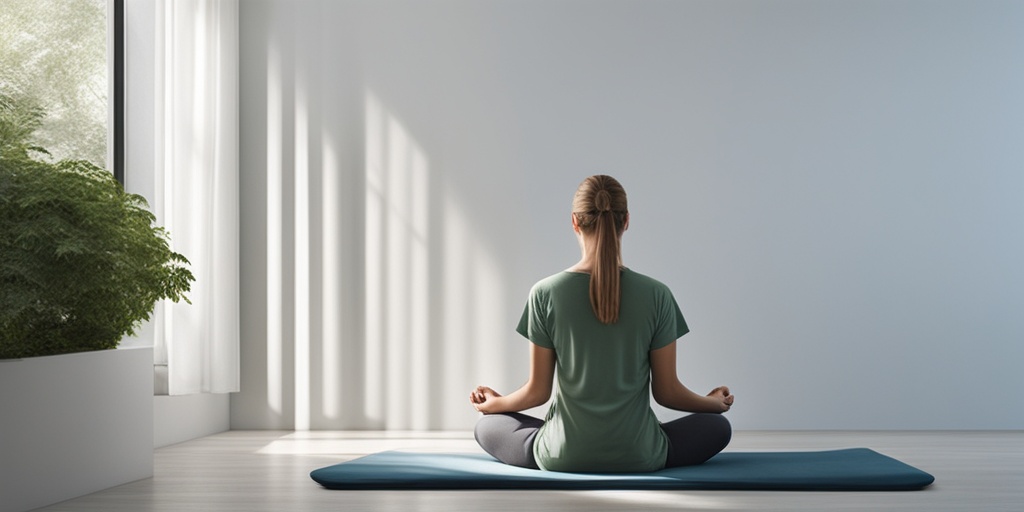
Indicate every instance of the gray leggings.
{"type": "Point", "coordinates": [692, 439]}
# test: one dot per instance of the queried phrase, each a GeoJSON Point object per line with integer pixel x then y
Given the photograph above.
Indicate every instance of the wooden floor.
{"type": "Point", "coordinates": [260, 470]}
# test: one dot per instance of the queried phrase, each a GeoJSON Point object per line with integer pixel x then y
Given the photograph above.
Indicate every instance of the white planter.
{"type": "Point", "coordinates": [74, 424]}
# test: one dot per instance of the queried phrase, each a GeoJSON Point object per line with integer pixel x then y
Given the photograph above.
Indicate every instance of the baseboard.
{"type": "Point", "coordinates": [181, 418]}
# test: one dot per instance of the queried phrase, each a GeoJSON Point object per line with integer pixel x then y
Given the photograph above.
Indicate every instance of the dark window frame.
{"type": "Point", "coordinates": [118, 99]}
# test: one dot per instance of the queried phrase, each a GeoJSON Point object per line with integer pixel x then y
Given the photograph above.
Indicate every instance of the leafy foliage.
{"type": "Point", "coordinates": [55, 52]}
{"type": "Point", "coordinates": [81, 264]}
{"type": "Point", "coordinates": [19, 119]}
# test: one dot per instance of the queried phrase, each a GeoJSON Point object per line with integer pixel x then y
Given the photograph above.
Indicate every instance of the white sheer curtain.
{"type": "Point", "coordinates": [196, 182]}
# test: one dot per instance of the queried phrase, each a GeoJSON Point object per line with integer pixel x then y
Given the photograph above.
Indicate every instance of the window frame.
{"type": "Point", "coordinates": [116, 80]}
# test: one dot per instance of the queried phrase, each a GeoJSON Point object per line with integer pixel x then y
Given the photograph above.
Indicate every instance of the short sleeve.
{"type": "Point", "coordinates": [670, 324]}
{"type": "Point", "coordinates": [533, 325]}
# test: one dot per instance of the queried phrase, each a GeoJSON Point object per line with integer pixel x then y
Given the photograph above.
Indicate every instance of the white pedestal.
{"type": "Point", "coordinates": [74, 424]}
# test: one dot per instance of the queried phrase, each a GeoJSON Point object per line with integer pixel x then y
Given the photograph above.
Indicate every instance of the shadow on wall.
{"type": "Point", "coordinates": [377, 305]}
{"type": "Point", "coordinates": [433, 293]}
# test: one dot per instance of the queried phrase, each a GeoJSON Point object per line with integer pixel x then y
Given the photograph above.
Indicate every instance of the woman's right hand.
{"type": "Point", "coordinates": [482, 398]}
{"type": "Point", "coordinates": [722, 395]}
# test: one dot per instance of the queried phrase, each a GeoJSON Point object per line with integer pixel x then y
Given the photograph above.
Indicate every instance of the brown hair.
{"type": "Point", "coordinates": [600, 209]}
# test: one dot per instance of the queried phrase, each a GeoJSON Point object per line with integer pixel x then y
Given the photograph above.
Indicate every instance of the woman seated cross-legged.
{"type": "Point", "coordinates": [611, 335]}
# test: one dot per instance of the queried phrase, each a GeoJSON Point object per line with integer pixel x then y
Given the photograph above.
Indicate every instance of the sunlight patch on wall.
{"type": "Point", "coordinates": [474, 312]}
{"type": "Point", "coordinates": [397, 298]}
{"type": "Point", "coordinates": [490, 325]}
{"type": "Point", "coordinates": [419, 292]}
{"type": "Point", "coordinates": [302, 253]}
{"type": "Point", "coordinates": [275, 212]}
{"type": "Point", "coordinates": [397, 272]}
{"type": "Point", "coordinates": [457, 304]}
{"type": "Point", "coordinates": [331, 382]}
{"type": "Point", "coordinates": [375, 307]}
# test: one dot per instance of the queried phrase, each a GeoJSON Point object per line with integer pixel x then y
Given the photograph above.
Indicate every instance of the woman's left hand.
{"type": "Point", "coordinates": [482, 398]}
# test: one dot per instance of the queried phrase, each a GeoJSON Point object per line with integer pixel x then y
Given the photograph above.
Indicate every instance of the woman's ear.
{"type": "Point", "coordinates": [625, 225]}
{"type": "Point", "coordinates": [575, 223]}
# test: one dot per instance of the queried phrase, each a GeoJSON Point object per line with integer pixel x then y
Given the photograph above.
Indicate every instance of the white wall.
{"type": "Point", "coordinates": [832, 189]}
{"type": "Point", "coordinates": [177, 419]}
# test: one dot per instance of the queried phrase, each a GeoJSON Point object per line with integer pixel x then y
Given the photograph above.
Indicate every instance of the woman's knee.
{"type": "Point", "coordinates": [696, 438]}
{"type": "Point", "coordinates": [725, 427]}
{"type": "Point", "coordinates": [716, 428]}
{"type": "Point", "coordinates": [721, 423]}
{"type": "Point", "coordinates": [486, 427]}
{"type": "Point", "coordinates": [508, 437]}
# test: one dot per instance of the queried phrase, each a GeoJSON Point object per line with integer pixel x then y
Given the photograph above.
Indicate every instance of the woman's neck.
{"type": "Point", "coordinates": [587, 258]}
{"type": "Point", "coordinates": [586, 265]}
{"type": "Point", "coordinates": [579, 268]}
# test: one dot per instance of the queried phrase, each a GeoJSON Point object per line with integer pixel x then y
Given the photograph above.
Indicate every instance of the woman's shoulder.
{"type": "Point", "coordinates": [638, 277]}
{"type": "Point", "coordinates": [558, 279]}
{"type": "Point", "coordinates": [643, 281]}
{"type": "Point", "coordinates": [560, 282]}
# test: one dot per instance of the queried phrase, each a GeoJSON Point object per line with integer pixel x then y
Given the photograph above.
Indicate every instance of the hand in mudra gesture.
{"type": "Point", "coordinates": [482, 398]}
{"type": "Point", "coordinates": [722, 394]}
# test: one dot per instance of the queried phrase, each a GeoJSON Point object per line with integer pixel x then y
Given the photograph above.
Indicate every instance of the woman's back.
{"type": "Point", "coordinates": [608, 333]}
{"type": "Point", "coordinates": [601, 418]}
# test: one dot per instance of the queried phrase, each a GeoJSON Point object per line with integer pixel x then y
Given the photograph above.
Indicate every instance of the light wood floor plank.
{"type": "Point", "coordinates": [269, 471]}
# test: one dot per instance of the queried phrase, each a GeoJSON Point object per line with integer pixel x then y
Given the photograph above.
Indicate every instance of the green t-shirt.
{"type": "Point", "coordinates": [601, 418]}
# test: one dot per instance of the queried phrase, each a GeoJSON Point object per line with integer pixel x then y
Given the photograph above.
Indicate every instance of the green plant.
{"type": "Point", "coordinates": [81, 264]}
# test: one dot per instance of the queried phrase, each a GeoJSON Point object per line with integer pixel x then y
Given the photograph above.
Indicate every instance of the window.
{"type": "Point", "coordinates": [60, 64]}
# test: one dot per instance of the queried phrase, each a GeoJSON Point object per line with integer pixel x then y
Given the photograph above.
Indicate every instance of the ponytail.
{"type": "Point", "coordinates": [600, 206]}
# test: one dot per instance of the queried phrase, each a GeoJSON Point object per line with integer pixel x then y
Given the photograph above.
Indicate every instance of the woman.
{"type": "Point", "coordinates": [610, 332]}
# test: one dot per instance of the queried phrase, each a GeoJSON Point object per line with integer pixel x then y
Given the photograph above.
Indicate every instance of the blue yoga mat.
{"type": "Point", "coordinates": [856, 469]}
